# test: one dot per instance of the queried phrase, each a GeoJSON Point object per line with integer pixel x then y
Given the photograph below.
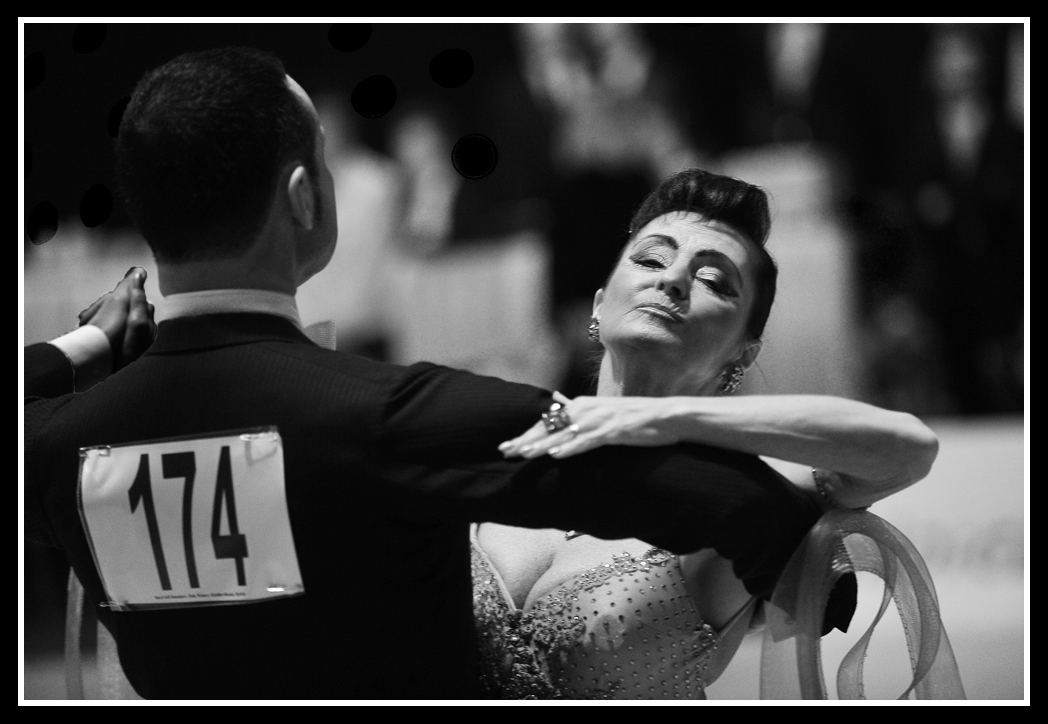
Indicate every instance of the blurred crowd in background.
{"type": "Point", "coordinates": [901, 145]}
{"type": "Point", "coordinates": [918, 127]}
{"type": "Point", "coordinates": [894, 155]}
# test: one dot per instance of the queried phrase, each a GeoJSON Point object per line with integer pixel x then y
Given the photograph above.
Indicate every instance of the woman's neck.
{"type": "Point", "coordinates": [620, 376]}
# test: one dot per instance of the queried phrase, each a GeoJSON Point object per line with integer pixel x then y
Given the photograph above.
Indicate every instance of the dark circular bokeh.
{"type": "Point", "coordinates": [42, 223]}
{"type": "Point", "coordinates": [347, 37]}
{"type": "Point", "coordinates": [88, 37]}
{"type": "Point", "coordinates": [474, 156]}
{"type": "Point", "coordinates": [117, 112]}
{"type": "Point", "coordinates": [96, 205]}
{"type": "Point", "coordinates": [374, 97]}
{"type": "Point", "coordinates": [451, 68]}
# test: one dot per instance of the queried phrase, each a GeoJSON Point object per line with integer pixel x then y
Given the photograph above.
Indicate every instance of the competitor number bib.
{"type": "Point", "coordinates": [197, 521]}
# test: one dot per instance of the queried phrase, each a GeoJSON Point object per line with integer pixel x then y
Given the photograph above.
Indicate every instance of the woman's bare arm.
{"type": "Point", "coordinates": [874, 452]}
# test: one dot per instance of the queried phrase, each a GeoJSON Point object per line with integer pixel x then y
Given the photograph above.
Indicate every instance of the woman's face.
{"type": "Point", "coordinates": [681, 295]}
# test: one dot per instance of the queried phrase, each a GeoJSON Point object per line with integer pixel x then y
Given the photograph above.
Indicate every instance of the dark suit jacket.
{"type": "Point", "coordinates": [385, 466]}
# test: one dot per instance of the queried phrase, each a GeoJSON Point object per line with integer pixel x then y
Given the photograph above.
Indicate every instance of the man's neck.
{"type": "Point", "coordinates": [198, 276]}
{"type": "Point", "coordinates": [230, 301]}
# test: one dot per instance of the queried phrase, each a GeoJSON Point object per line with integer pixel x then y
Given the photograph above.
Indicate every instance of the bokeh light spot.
{"type": "Point", "coordinates": [374, 96]}
{"type": "Point", "coordinates": [42, 223]}
{"type": "Point", "coordinates": [474, 156]}
{"type": "Point", "coordinates": [96, 205]}
{"type": "Point", "coordinates": [347, 37]}
{"type": "Point", "coordinates": [451, 68]}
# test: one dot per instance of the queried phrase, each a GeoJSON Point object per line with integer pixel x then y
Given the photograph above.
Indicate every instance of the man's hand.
{"type": "Point", "coordinates": [125, 316]}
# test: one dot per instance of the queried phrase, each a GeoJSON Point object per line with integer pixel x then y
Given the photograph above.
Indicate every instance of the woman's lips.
{"type": "Point", "coordinates": [661, 311]}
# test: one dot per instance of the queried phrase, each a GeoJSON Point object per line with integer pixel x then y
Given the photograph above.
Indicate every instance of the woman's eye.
{"type": "Point", "coordinates": [652, 262]}
{"type": "Point", "coordinates": [715, 282]}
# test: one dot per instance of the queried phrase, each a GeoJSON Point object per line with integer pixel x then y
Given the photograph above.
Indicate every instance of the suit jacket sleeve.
{"type": "Point", "coordinates": [48, 372]}
{"type": "Point", "coordinates": [48, 376]}
{"type": "Point", "coordinates": [439, 443]}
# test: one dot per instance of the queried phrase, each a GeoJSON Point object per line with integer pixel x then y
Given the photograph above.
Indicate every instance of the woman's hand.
{"type": "Point", "coordinates": [126, 317]}
{"type": "Point", "coordinates": [597, 421]}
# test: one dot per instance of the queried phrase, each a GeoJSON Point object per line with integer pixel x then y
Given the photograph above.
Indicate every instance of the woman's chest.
{"type": "Point", "coordinates": [520, 556]}
{"type": "Point", "coordinates": [584, 557]}
{"type": "Point", "coordinates": [534, 563]}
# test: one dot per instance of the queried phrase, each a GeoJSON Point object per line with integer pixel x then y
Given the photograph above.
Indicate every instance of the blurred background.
{"type": "Point", "coordinates": [485, 177]}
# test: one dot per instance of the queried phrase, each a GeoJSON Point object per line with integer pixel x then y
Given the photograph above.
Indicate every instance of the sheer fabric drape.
{"type": "Point", "coordinates": [850, 541]}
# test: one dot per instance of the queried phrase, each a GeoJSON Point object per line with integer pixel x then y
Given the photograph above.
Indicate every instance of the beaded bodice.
{"type": "Point", "coordinates": [626, 629]}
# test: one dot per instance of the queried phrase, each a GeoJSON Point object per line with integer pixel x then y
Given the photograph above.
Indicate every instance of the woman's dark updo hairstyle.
{"type": "Point", "coordinates": [740, 205]}
{"type": "Point", "coordinates": [200, 148]}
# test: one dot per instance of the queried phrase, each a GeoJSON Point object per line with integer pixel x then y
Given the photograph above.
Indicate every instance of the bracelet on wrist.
{"type": "Point", "coordinates": [820, 484]}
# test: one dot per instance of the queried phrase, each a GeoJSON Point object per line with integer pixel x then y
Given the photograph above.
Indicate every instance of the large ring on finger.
{"type": "Point", "coordinates": [556, 418]}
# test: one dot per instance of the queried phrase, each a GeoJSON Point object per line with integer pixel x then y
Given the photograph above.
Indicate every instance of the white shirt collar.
{"type": "Point", "coordinates": [223, 301]}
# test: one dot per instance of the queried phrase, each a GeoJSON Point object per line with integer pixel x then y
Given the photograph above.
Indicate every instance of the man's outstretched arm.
{"type": "Point", "coordinates": [438, 446]}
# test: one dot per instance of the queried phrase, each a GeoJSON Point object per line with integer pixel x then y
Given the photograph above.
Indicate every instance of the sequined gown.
{"type": "Point", "coordinates": [626, 629]}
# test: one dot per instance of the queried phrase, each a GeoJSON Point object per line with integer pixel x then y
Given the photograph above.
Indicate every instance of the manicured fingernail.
{"type": "Point", "coordinates": [554, 451]}
{"type": "Point", "coordinates": [526, 449]}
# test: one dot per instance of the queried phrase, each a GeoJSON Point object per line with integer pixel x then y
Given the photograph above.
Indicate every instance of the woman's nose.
{"type": "Point", "coordinates": [674, 282]}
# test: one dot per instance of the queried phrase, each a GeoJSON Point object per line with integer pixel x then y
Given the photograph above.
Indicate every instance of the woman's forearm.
{"type": "Point", "coordinates": [891, 449]}
{"type": "Point", "coordinates": [873, 452]}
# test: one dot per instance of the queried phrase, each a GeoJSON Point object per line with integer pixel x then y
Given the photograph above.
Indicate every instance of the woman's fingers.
{"type": "Point", "coordinates": [85, 315]}
{"type": "Point", "coordinates": [548, 442]}
{"type": "Point", "coordinates": [589, 429]}
{"type": "Point", "coordinates": [513, 448]}
{"type": "Point", "coordinates": [537, 434]}
{"type": "Point", "coordinates": [139, 328]}
{"type": "Point", "coordinates": [575, 446]}
{"type": "Point", "coordinates": [595, 422]}
{"type": "Point", "coordinates": [537, 442]}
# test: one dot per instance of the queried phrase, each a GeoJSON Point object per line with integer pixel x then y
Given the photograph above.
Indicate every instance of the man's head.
{"type": "Point", "coordinates": [210, 144]}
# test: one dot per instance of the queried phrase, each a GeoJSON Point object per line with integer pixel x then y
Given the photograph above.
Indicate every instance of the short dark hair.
{"type": "Point", "coordinates": [200, 147]}
{"type": "Point", "coordinates": [740, 205]}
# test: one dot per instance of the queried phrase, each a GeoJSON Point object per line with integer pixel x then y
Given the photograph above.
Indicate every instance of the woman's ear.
{"type": "Point", "coordinates": [750, 353]}
{"type": "Point", "coordinates": [598, 301]}
{"type": "Point", "coordinates": [300, 194]}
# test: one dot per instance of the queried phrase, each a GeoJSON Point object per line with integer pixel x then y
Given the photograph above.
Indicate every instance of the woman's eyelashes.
{"type": "Point", "coordinates": [711, 276]}
{"type": "Point", "coordinates": [715, 281]}
{"type": "Point", "coordinates": [650, 261]}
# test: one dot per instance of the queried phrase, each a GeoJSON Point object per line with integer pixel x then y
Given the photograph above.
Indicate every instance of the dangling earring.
{"type": "Point", "coordinates": [594, 329]}
{"type": "Point", "coordinates": [730, 383]}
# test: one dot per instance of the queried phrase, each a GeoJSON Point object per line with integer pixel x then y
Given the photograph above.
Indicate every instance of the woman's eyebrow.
{"type": "Point", "coordinates": [664, 238]}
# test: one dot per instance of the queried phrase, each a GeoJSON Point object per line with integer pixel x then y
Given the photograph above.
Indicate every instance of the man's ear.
{"type": "Point", "coordinates": [300, 194]}
{"type": "Point", "coordinates": [750, 353]}
{"type": "Point", "coordinates": [598, 302]}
